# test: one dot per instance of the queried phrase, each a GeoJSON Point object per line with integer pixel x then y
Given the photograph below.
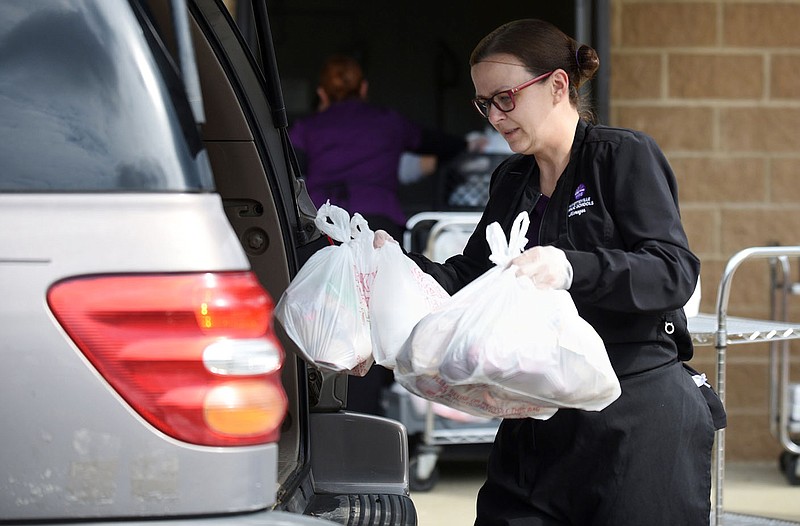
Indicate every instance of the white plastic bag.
{"type": "Point", "coordinates": [325, 308]}
{"type": "Point", "coordinates": [365, 263]}
{"type": "Point", "coordinates": [692, 307]}
{"type": "Point", "coordinates": [401, 295]}
{"type": "Point", "coordinates": [503, 348]}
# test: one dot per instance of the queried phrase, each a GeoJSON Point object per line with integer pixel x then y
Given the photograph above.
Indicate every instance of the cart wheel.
{"type": "Point", "coordinates": [783, 460]}
{"type": "Point", "coordinates": [416, 483]}
{"type": "Point", "coordinates": [790, 469]}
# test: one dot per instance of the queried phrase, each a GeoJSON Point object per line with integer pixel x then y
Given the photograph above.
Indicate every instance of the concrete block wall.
{"type": "Point", "coordinates": [717, 84]}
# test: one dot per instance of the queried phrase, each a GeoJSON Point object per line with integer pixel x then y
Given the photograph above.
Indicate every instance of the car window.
{"type": "Point", "coordinates": [91, 97]}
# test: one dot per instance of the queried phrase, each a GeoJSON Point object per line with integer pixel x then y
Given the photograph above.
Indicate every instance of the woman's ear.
{"type": "Point", "coordinates": [560, 84]}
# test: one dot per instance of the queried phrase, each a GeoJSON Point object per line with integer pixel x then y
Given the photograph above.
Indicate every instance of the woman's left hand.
{"type": "Point", "coordinates": [546, 266]}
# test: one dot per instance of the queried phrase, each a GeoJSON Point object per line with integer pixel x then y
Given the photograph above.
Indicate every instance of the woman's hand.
{"type": "Point", "coordinates": [381, 237]}
{"type": "Point", "coordinates": [547, 267]}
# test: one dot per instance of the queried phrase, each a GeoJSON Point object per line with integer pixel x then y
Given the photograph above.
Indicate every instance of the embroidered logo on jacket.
{"type": "Point", "coordinates": [581, 203]}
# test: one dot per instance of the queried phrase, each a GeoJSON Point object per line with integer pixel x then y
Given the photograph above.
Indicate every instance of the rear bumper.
{"type": "Point", "coordinates": [260, 518]}
{"type": "Point", "coordinates": [374, 510]}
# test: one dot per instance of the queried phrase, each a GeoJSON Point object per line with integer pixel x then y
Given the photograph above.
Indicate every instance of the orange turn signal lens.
{"type": "Point", "coordinates": [244, 407]}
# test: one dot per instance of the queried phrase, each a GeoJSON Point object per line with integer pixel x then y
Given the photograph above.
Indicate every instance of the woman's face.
{"type": "Point", "coordinates": [523, 126]}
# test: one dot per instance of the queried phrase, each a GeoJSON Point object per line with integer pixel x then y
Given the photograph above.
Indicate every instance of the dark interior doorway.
{"type": "Point", "coordinates": [415, 54]}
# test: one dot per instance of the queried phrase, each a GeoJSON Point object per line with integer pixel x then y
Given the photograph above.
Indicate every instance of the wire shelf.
{"type": "Point", "coordinates": [703, 328]}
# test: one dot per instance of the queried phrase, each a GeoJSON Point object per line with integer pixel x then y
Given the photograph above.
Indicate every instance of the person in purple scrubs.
{"type": "Point", "coordinates": [351, 148]}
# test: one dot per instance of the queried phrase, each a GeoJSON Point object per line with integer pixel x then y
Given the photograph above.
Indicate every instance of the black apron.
{"type": "Point", "coordinates": [645, 460]}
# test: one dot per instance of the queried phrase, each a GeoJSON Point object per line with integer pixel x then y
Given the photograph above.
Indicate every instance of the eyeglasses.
{"type": "Point", "coordinates": [504, 100]}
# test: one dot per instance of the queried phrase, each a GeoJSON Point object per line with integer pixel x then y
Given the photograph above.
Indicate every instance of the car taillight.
{"type": "Point", "coordinates": [194, 354]}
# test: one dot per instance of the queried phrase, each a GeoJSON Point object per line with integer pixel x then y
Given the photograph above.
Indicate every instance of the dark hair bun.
{"type": "Point", "coordinates": [588, 62]}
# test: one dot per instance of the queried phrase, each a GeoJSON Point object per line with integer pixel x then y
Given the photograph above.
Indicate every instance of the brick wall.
{"type": "Point", "coordinates": [717, 84]}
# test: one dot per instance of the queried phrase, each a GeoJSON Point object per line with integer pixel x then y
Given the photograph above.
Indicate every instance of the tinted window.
{"type": "Point", "coordinates": [87, 105]}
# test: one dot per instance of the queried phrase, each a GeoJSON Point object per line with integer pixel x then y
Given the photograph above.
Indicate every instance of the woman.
{"type": "Point", "coordinates": [605, 226]}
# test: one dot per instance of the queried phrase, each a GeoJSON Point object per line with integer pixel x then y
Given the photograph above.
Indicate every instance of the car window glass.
{"type": "Point", "coordinates": [84, 105]}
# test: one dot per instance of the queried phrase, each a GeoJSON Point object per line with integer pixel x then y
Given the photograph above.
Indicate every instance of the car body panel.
{"type": "Point", "coordinates": [84, 195]}
{"type": "Point", "coordinates": [71, 446]}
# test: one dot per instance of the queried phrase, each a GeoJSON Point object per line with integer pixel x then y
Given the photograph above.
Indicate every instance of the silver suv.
{"type": "Point", "coordinates": [151, 214]}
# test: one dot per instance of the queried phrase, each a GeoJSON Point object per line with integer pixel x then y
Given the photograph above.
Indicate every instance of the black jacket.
{"type": "Point", "coordinates": [615, 214]}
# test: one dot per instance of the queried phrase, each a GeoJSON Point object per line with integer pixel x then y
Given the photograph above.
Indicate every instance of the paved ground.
{"type": "Point", "coordinates": [756, 489]}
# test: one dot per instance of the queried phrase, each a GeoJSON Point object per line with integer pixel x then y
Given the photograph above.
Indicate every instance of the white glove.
{"type": "Point", "coordinates": [547, 267]}
{"type": "Point", "coordinates": [381, 237]}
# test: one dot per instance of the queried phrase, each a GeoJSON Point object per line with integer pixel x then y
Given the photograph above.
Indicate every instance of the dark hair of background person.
{"type": "Point", "coordinates": [341, 78]}
{"type": "Point", "coordinates": [542, 47]}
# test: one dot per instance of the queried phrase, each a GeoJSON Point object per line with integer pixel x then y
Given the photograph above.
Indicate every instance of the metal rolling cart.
{"type": "Point", "coordinates": [722, 330]}
{"type": "Point", "coordinates": [438, 235]}
{"type": "Point", "coordinates": [430, 434]}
